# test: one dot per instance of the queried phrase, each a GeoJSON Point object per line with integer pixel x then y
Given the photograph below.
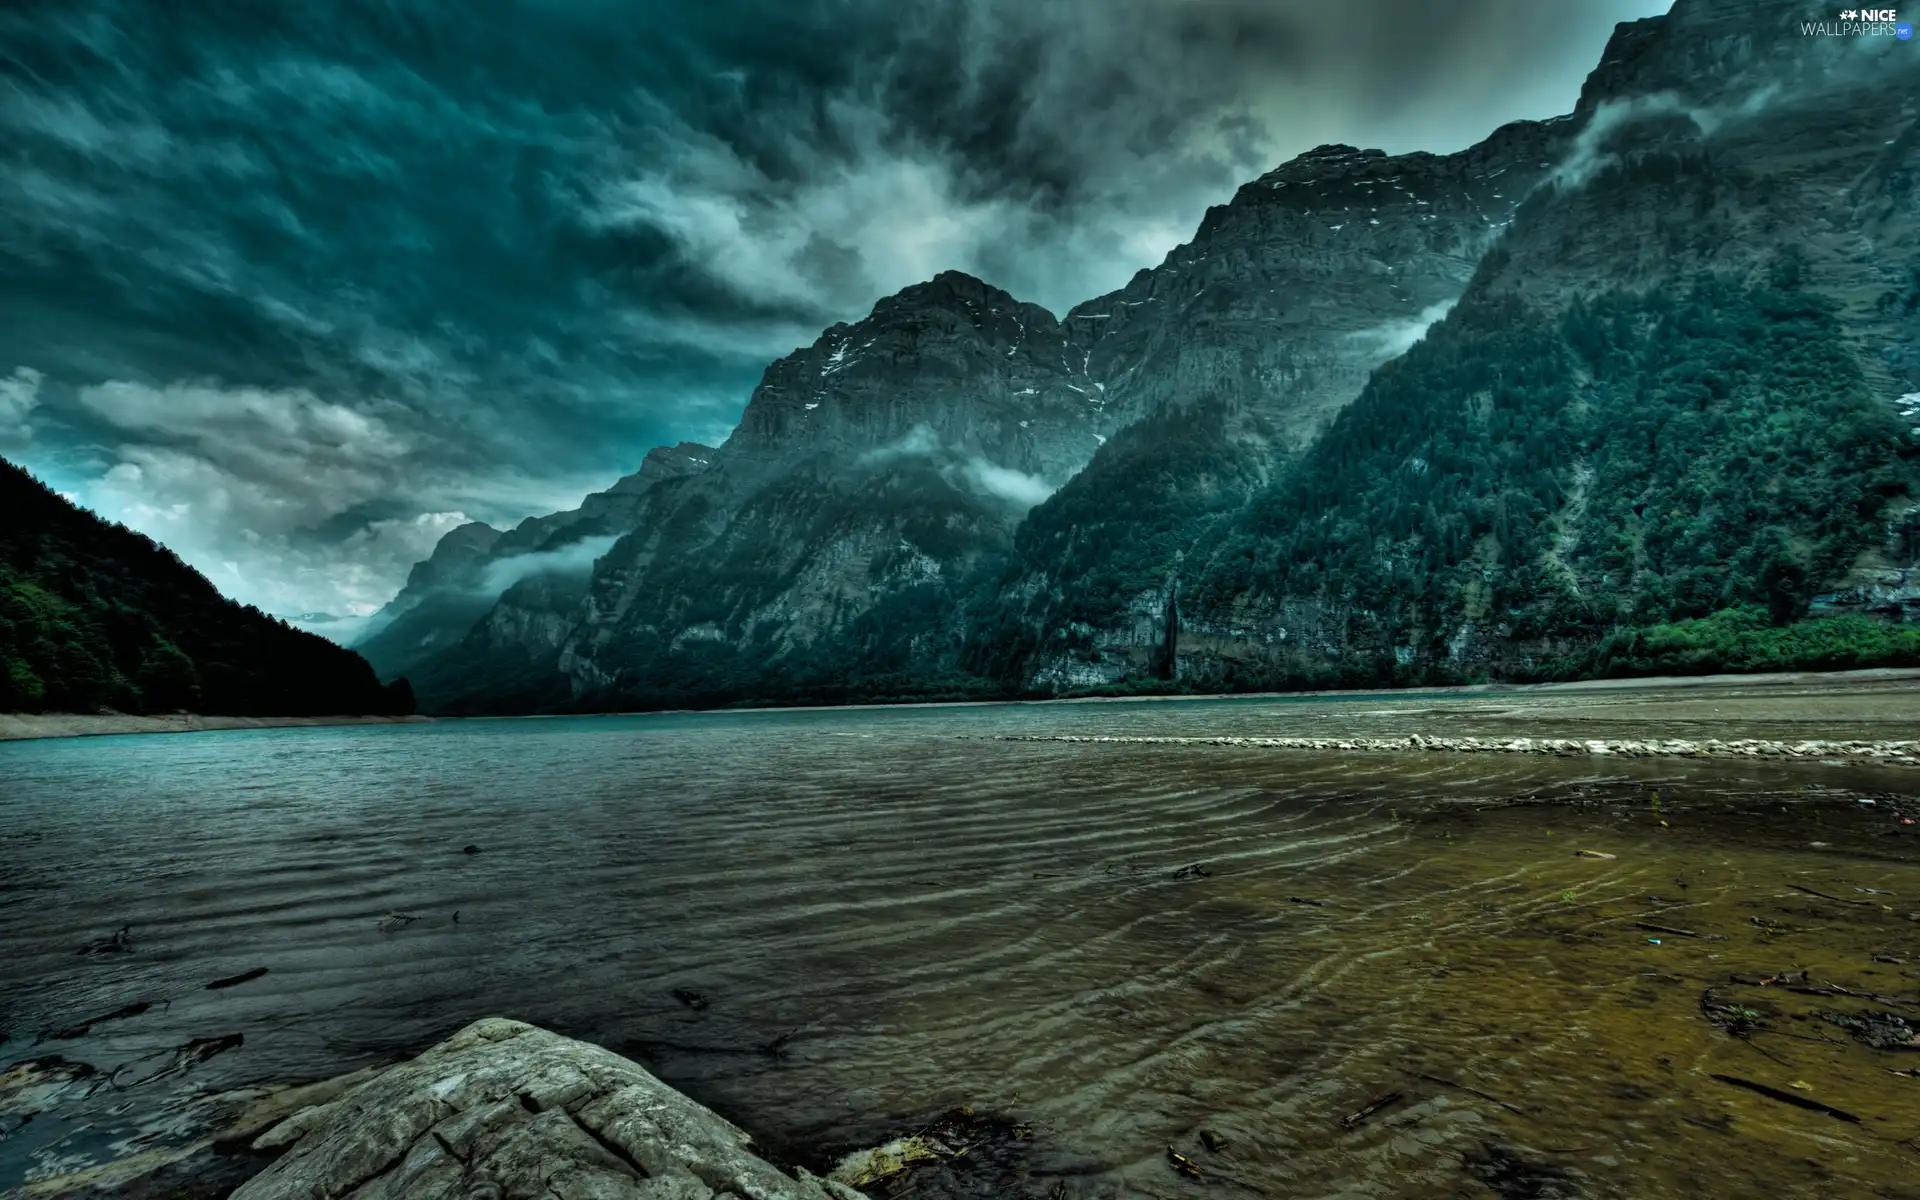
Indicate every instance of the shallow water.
{"type": "Point", "coordinates": [939, 918]}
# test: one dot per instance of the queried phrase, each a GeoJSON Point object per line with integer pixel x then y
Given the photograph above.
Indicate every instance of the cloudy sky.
{"type": "Point", "coordinates": [297, 287]}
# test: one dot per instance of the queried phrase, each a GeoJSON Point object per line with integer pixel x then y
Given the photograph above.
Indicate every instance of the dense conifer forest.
{"type": "Point", "coordinates": [95, 617]}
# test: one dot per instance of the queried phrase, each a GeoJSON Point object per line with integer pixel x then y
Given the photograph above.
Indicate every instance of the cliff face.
{"type": "Point", "coordinates": [953, 365]}
{"type": "Point", "coordinates": [1312, 276]}
{"type": "Point", "coordinates": [1387, 419]}
{"type": "Point", "coordinates": [873, 472]}
{"type": "Point", "coordinates": [474, 566]}
{"type": "Point", "coordinates": [873, 475]}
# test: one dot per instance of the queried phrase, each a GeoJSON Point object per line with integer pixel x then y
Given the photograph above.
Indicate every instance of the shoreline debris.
{"type": "Point", "coordinates": [119, 943]}
{"type": "Point", "coordinates": [236, 980]}
{"type": "Point", "coordinates": [1774, 1093]}
{"type": "Point", "coordinates": [1678, 932]}
{"type": "Point", "coordinates": [1467, 1088]}
{"type": "Point", "coordinates": [1878, 1030]}
{"type": "Point", "coordinates": [1371, 1107]}
{"type": "Point", "coordinates": [1184, 1165]}
{"type": "Point", "coordinates": [80, 1030]}
{"type": "Point", "coordinates": [1824, 896]}
{"type": "Point", "coordinates": [1890, 753]}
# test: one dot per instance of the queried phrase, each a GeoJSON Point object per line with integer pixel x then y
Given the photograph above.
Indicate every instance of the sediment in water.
{"type": "Point", "coordinates": [1900, 753]}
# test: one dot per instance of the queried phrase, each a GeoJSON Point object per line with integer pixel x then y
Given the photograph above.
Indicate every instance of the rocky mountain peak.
{"type": "Point", "coordinates": [1722, 52]}
{"type": "Point", "coordinates": [1375, 188]}
{"type": "Point", "coordinates": [948, 303]}
{"type": "Point", "coordinates": [455, 555]}
{"type": "Point", "coordinates": [666, 462]}
{"type": "Point", "coordinates": [953, 361]}
{"type": "Point", "coordinates": [1311, 276]}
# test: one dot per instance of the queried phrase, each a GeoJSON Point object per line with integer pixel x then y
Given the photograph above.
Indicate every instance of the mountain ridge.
{"type": "Point", "coordinates": [963, 495]}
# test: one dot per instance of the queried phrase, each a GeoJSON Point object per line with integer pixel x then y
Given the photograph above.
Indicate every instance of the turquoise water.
{"type": "Point", "coordinates": [935, 917]}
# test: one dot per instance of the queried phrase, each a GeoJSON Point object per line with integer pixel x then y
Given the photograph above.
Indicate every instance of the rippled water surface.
{"type": "Point", "coordinates": [938, 918]}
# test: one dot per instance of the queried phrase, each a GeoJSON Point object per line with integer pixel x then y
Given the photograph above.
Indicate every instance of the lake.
{"type": "Point", "coordinates": [1118, 945]}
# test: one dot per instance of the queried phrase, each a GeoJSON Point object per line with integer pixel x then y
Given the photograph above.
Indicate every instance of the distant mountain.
{"type": "Point", "coordinates": [473, 566]}
{"type": "Point", "coordinates": [94, 616]}
{"type": "Point", "coordinates": [1640, 376]}
{"type": "Point", "coordinates": [873, 475]}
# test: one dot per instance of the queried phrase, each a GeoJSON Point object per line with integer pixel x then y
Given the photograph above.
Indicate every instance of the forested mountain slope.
{"type": "Point", "coordinates": [95, 616]}
{"type": "Point", "coordinates": [1509, 413]}
{"type": "Point", "coordinates": [1674, 387]}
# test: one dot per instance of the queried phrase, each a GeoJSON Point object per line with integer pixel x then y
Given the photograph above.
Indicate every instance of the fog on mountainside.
{"type": "Point", "coordinates": [1501, 541]}
{"type": "Point", "coordinates": [1616, 392]}
{"type": "Point", "coordinates": [1626, 390]}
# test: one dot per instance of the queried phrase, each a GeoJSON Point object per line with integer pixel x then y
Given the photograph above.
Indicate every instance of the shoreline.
{"type": "Point", "coordinates": [37, 726]}
{"type": "Point", "coordinates": [1629, 683]}
{"type": "Point", "coordinates": [22, 727]}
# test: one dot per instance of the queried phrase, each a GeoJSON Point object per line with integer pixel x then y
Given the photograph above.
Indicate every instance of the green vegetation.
{"type": "Point", "coordinates": [1643, 483]}
{"type": "Point", "coordinates": [1522, 495]}
{"type": "Point", "coordinates": [1745, 639]}
{"type": "Point", "coordinates": [1739, 455]}
{"type": "Point", "coordinates": [94, 616]}
{"type": "Point", "coordinates": [1121, 527]}
{"type": "Point", "coordinates": [1526, 486]}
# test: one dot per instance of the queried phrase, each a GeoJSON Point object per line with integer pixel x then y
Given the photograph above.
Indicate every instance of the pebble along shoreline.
{"type": "Point", "coordinates": [1904, 753]}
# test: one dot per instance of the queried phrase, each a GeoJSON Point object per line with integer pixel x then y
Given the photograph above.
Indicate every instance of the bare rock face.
{"type": "Point", "coordinates": [953, 366]}
{"type": "Point", "coordinates": [504, 1110]}
{"type": "Point", "coordinates": [1316, 273]}
{"type": "Point", "coordinates": [473, 566]}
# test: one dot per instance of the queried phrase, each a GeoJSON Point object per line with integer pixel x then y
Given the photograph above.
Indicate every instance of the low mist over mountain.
{"type": "Point", "coordinates": [1384, 419]}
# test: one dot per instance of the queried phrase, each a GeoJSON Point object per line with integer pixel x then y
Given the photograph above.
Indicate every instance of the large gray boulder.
{"type": "Point", "coordinates": [503, 1110]}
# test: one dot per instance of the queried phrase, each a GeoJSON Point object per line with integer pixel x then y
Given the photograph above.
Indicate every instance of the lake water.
{"type": "Point", "coordinates": [938, 918]}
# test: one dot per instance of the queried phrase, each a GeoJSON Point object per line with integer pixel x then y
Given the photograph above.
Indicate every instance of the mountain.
{"type": "Point", "coordinates": [1671, 390]}
{"type": "Point", "coordinates": [872, 475]}
{"type": "Point", "coordinates": [472, 566]}
{"type": "Point", "coordinates": [1674, 319]}
{"type": "Point", "coordinates": [94, 616]}
{"type": "Point", "coordinates": [1237, 353]}
{"type": "Point", "coordinates": [1521, 412]}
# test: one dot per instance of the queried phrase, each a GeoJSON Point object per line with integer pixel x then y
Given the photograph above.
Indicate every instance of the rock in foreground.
{"type": "Point", "coordinates": [504, 1110]}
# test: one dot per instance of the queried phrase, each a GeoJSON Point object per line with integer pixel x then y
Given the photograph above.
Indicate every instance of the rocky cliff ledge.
{"type": "Point", "coordinates": [505, 1110]}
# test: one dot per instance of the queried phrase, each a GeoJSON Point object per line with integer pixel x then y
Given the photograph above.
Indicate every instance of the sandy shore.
{"type": "Point", "coordinates": [1837, 700]}
{"type": "Point", "coordinates": [21, 726]}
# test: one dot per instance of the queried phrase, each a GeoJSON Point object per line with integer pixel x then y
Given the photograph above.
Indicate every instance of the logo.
{"type": "Point", "coordinates": [1861, 22]}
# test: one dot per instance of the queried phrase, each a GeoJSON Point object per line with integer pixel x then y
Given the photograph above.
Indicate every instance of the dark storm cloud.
{"type": "Point", "coordinates": [295, 287]}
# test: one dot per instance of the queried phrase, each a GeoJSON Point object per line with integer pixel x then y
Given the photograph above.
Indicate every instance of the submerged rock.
{"type": "Point", "coordinates": [960, 1155]}
{"type": "Point", "coordinates": [506, 1110]}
